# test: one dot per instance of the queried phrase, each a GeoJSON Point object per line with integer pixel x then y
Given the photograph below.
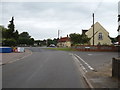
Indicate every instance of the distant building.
{"type": "Point", "coordinates": [101, 35]}
{"type": "Point", "coordinates": [64, 42]}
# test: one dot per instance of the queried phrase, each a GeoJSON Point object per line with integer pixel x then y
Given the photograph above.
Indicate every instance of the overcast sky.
{"type": "Point", "coordinates": [43, 19]}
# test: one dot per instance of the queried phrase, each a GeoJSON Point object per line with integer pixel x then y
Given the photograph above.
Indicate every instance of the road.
{"type": "Point", "coordinates": [43, 69]}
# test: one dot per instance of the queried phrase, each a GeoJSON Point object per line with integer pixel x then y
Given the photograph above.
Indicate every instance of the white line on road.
{"type": "Point", "coordinates": [85, 62]}
{"type": "Point", "coordinates": [76, 59]}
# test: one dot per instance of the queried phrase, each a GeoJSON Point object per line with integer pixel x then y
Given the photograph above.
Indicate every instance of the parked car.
{"type": "Point", "coordinates": [52, 45]}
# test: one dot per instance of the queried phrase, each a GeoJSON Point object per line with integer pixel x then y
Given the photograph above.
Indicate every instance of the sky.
{"type": "Point", "coordinates": [42, 20]}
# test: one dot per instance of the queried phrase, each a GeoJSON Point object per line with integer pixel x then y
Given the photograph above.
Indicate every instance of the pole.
{"type": "Point", "coordinates": [93, 29]}
{"type": "Point", "coordinates": [58, 33]}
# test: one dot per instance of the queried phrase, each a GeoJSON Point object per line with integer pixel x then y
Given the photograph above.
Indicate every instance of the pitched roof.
{"type": "Point", "coordinates": [99, 26]}
{"type": "Point", "coordinates": [64, 39]}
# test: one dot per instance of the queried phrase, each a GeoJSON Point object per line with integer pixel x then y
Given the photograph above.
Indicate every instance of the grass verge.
{"type": "Point", "coordinates": [63, 49]}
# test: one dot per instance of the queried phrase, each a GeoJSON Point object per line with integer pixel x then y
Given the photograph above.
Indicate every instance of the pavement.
{"type": "Point", "coordinates": [12, 57]}
{"type": "Point", "coordinates": [102, 78]}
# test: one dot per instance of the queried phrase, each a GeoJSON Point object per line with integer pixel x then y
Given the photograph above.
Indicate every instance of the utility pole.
{"type": "Point", "coordinates": [93, 29]}
{"type": "Point", "coordinates": [58, 33]}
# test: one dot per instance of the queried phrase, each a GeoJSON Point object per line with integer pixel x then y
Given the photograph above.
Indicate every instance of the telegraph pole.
{"type": "Point", "coordinates": [58, 33]}
{"type": "Point", "coordinates": [93, 29]}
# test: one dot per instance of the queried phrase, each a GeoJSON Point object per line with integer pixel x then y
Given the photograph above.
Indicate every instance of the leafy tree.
{"type": "Point", "coordinates": [9, 42]}
{"type": "Point", "coordinates": [31, 41]}
{"type": "Point", "coordinates": [84, 39]}
{"type": "Point", "coordinates": [24, 35]}
{"type": "Point", "coordinates": [43, 42]}
{"type": "Point", "coordinates": [113, 40]}
{"type": "Point", "coordinates": [75, 38]}
{"type": "Point", "coordinates": [55, 41]}
{"type": "Point", "coordinates": [49, 41]}
{"type": "Point", "coordinates": [38, 42]}
{"type": "Point", "coordinates": [16, 35]}
{"type": "Point", "coordinates": [3, 32]}
{"type": "Point", "coordinates": [79, 39]}
{"type": "Point", "coordinates": [24, 38]}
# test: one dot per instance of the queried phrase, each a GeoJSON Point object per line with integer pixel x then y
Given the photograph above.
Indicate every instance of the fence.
{"type": "Point", "coordinates": [95, 48]}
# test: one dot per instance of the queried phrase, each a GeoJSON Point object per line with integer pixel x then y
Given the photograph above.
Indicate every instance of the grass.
{"type": "Point", "coordinates": [62, 49]}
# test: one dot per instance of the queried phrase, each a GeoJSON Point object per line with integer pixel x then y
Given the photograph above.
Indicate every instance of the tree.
{"type": "Point", "coordinates": [11, 32]}
{"type": "Point", "coordinates": [31, 41]}
{"type": "Point", "coordinates": [113, 40]}
{"type": "Point", "coordinates": [38, 42]}
{"type": "Point", "coordinates": [84, 39]}
{"type": "Point", "coordinates": [49, 41]}
{"type": "Point", "coordinates": [24, 35]}
{"type": "Point", "coordinates": [9, 42]}
{"type": "Point", "coordinates": [24, 38]}
{"type": "Point", "coordinates": [11, 28]}
{"type": "Point", "coordinates": [3, 33]}
{"type": "Point", "coordinates": [16, 35]}
{"type": "Point", "coordinates": [79, 39]}
{"type": "Point", "coordinates": [55, 41]}
{"type": "Point", "coordinates": [75, 38]}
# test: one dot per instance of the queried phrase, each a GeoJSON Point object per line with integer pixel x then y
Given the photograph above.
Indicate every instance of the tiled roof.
{"type": "Point", "coordinates": [64, 39]}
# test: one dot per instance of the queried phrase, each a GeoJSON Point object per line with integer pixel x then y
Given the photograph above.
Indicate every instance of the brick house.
{"type": "Point", "coordinates": [64, 42]}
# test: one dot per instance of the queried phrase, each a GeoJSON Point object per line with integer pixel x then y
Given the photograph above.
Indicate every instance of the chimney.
{"type": "Point", "coordinates": [67, 35]}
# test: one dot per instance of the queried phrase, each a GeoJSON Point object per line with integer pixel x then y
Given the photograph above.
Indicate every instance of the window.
{"type": "Point", "coordinates": [100, 36]}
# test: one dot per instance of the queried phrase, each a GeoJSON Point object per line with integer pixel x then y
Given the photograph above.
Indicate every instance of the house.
{"type": "Point", "coordinates": [101, 35]}
{"type": "Point", "coordinates": [64, 42]}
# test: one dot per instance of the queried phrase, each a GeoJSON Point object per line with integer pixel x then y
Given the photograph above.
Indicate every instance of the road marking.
{"type": "Point", "coordinates": [90, 54]}
{"type": "Point", "coordinates": [82, 69]}
{"type": "Point", "coordinates": [85, 62]}
{"type": "Point", "coordinates": [76, 59]}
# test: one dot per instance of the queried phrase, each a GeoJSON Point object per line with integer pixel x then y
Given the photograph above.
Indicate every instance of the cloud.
{"type": "Point", "coordinates": [43, 19]}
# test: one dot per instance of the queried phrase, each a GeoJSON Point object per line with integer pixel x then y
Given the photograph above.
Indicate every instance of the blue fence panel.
{"type": "Point", "coordinates": [5, 49]}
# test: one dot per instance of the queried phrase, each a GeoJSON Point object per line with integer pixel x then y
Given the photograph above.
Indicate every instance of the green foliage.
{"type": "Point", "coordinates": [11, 29]}
{"type": "Point", "coordinates": [11, 37]}
{"type": "Point", "coordinates": [16, 35]}
{"type": "Point", "coordinates": [31, 41]}
{"type": "Point", "coordinates": [113, 40]}
{"type": "Point", "coordinates": [9, 42]}
{"type": "Point", "coordinates": [79, 39]}
{"type": "Point", "coordinates": [84, 39]}
{"type": "Point", "coordinates": [75, 38]}
{"type": "Point", "coordinates": [49, 41]}
{"type": "Point", "coordinates": [63, 49]}
{"type": "Point", "coordinates": [55, 41]}
{"type": "Point", "coordinates": [3, 31]}
{"type": "Point", "coordinates": [24, 35]}
{"type": "Point", "coordinates": [24, 38]}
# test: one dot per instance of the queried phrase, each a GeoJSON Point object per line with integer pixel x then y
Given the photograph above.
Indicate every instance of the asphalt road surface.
{"type": "Point", "coordinates": [43, 69]}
